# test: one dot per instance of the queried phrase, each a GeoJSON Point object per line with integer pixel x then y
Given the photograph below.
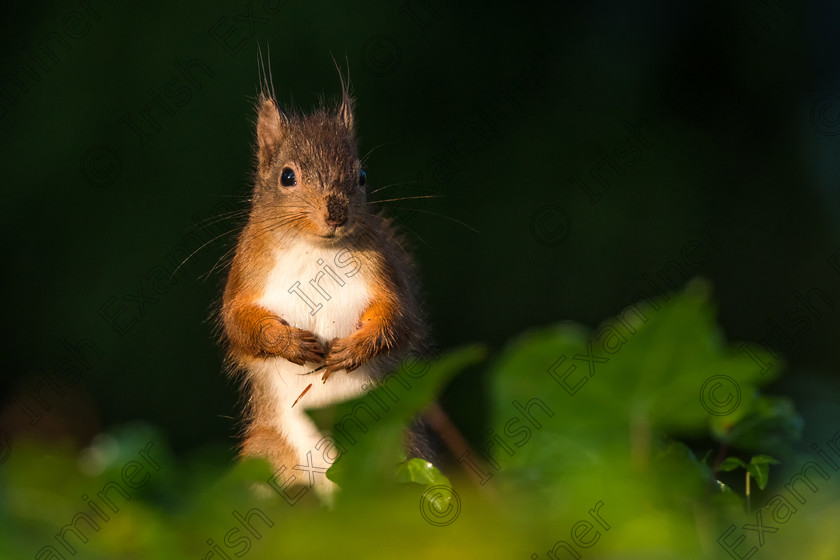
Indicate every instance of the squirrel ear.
{"type": "Point", "coordinates": [270, 124]}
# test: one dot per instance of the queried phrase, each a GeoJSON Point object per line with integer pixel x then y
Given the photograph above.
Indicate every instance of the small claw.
{"type": "Point", "coordinates": [317, 369]}
{"type": "Point", "coordinates": [331, 369]}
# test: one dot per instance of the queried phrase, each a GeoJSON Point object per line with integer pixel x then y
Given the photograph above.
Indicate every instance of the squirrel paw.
{"type": "Point", "coordinates": [303, 347]}
{"type": "Point", "coordinates": [278, 338]}
{"type": "Point", "coordinates": [344, 354]}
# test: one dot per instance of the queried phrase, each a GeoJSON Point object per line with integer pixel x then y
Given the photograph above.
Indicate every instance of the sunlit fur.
{"type": "Point", "coordinates": [365, 327]}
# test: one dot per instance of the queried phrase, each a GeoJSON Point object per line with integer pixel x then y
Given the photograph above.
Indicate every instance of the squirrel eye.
{"type": "Point", "coordinates": [287, 177]}
{"type": "Point", "coordinates": [362, 178]}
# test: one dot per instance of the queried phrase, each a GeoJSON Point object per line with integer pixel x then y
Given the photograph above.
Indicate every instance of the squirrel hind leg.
{"type": "Point", "coordinates": [268, 443]}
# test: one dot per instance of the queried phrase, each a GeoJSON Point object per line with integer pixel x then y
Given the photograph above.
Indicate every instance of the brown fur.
{"type": "Point", "coordinates": [268, 443]}
{"type": "Point", "coordinates": [321, 149]}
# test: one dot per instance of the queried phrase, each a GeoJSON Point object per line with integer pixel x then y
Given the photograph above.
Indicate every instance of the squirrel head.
{"type": "Point", "coordinates": [309, 177]}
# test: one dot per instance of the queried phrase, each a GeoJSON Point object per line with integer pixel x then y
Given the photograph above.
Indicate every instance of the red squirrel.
{"type": "Point", "coordinates": [319, 281]}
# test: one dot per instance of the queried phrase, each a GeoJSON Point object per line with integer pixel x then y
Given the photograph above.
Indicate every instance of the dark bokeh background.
{"type": "Point", "coordinates": [712, 128]}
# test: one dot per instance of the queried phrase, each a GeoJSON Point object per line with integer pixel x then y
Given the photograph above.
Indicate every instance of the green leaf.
{"type": "Point", "coordinates": [731, 463]}
{"type": "Point", "coordinates": [766, 423]}
{"type": "Point", "coordinates": [759, 468]}
{"type": "Point", "coordinates": [371, 429]}
{"type": "Point", "coordinates": [725, 489]}
{"type": "Point", "coordinates": [420, 471]}
{"type": "Point", "coordinates": [597, 398]}
{"type": "Point", "coordinates": [763, 460]}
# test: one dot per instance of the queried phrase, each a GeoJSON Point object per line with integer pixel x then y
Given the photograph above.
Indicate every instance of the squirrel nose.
{"type": "Point", "coordinates": [336, 212]}
{"type": "Point", "coordinates": [336, 222]}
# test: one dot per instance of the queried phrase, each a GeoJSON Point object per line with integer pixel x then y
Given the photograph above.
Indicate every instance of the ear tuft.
{"type": "Point", "coordinates": [270, 129]}
{"type": "Point", "coordinates": [345, 110]}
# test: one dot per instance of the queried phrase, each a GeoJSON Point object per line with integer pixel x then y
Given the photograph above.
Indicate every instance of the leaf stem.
{"type": "Point", "coordinates": [748, 492]}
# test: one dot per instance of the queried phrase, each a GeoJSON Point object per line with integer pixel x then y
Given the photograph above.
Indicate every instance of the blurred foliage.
{"type": "Point", "coordinates": [495, 108]}
{"type": "Point", "coordinates": [605, 152]}
{"type": "Point", "coordinates": [758, 467]}
{"type": "Point", "coordinates": [602, 469]}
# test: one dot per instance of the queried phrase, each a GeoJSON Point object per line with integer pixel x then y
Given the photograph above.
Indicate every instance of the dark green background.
{"type": "Point", "coordinates": [494, 108]}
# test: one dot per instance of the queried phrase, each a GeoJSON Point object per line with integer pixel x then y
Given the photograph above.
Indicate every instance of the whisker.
{"type": "Point", "coordinates": [469, 227]}
{"type": "Point", "coordinates": [364, 158]}
{"type": "Point", "coordinates": [245, 197]}
{"type": "Point", "coordinates": [207, 222]}
{"type": "Point", "coordinates": [273, 225]}
{"type": "Point", "coordinates": [407, 198]}
{"type": "Point", "coordinates": [200, 248]}
{"type": "Point", "coordinates": [285, 221]}
{"type": "Point", "coordinates": [415, 234]}
{"type": "Point", "coordinates": [393, 185]}
{"type": "Point", "coordinates": [225, 256]}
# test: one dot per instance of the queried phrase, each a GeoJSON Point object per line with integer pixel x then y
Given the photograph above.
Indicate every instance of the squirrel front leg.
{"type": "Point", "coordinates": [256, 332]}
{"type": "Point", "coordinates": [381, 328]}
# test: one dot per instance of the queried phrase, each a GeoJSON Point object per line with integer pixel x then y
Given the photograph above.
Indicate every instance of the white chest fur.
{"type": "Point", "coordinates": [318, 289]}
{"type": "Point", "coordinates": [323, 290]}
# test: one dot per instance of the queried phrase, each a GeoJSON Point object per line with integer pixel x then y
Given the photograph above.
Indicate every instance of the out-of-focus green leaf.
{"type": "Point", "coordinates": [768, 423]}
{"type": "Point", "coordinates": [372, 428]}
{"type": "Point", "coordinates": [759, 468]}
{"type": "Point", "coordinates": [731, 463]}
{"type": "Point", "coordinates": [421, 472]}
{"type": "Point", "coordinates": [599, 460]}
